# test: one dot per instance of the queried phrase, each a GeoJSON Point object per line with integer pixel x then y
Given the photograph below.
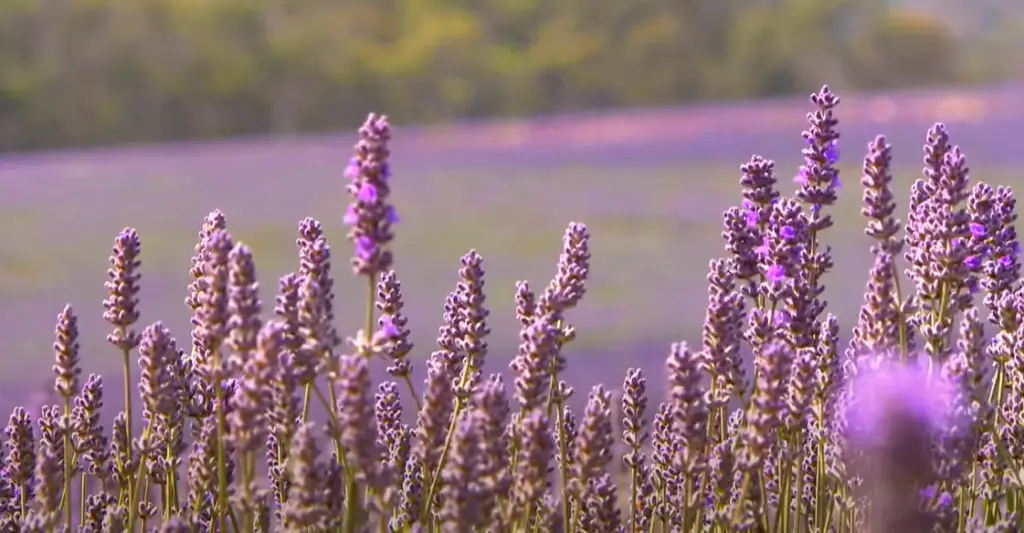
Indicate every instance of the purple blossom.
{"type": "Point", "coordinates": [352, 169]}
{"type": "Point", "coordinates": [977, 230]}
{"type": "Point", "coordinates": [388, 329]}
{"type": "Point", "coordinates": [781, 318]}
{"type": "Point", "coordinates": [832, 152]}
{"type": "Point", "coordinates": [775, 273]}
{"type": "Point", "coordinates": [928, 494]}
{"type": "Point", "coordinates": [370, 214]}
{"type": "Point", "coordinates": [763, 249]}
{"type": "Point", "coordinates": [750, 213]}
{"type": "Point", "coordinates": [367, 193]}
{"type": "Point", "coordinates": [351, 218]}
{"type": "Point", "coordinates": [897, 391]}
{"type": "Point", "coordinates": [787, 233]}
{"type": "Point", "coordinates": [365, 247]}
{"type": "Point", "coordinates": [801, 178]}
{"type": "Point", "coordinates": [973, 262]}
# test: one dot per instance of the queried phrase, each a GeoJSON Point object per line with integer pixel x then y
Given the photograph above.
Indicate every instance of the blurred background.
{"type": "Point", "coordinates": [513, 118]}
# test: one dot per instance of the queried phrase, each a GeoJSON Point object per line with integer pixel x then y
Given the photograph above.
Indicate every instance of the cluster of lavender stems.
{"type": "Point", "coordinates": [914, 424]}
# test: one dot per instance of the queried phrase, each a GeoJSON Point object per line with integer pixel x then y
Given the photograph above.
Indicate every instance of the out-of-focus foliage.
{"type": "Point", "coordinates": [77, 72]}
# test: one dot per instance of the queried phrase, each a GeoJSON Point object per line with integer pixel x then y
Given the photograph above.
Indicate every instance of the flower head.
{"type": "Point", "coordinates": [889, 398]}
{"type": "Point", "coordinates": [370, 215]}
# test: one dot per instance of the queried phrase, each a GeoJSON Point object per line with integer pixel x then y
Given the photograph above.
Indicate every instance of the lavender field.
{"type": "Point", "coordinates": [650, 185]}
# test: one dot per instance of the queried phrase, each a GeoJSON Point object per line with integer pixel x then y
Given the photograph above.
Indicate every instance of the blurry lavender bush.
{"type": "Point", "coordinates": [914, 427]}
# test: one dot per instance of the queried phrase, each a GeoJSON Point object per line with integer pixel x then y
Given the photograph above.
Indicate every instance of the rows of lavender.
{"type": "Point", "coordinates": [912, 425]}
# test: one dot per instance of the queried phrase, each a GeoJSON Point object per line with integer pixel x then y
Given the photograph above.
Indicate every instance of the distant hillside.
{"type": "Point", "coordinates": [970, 19]}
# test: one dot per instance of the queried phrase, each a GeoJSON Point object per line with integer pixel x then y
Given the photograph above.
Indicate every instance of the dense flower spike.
{"type": "Point", "coordinates": [875, 436]}
{"type": "Point", "coordinates": [66, 347]}
{"type": "Point", "coordinates": [370, 215]}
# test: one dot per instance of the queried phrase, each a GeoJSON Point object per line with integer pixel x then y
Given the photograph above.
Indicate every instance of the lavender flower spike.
{"type": "Point", "coordinates": [370, 215]}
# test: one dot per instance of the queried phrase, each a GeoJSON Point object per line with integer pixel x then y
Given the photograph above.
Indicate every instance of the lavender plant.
{"type": "Point", "coordinates": [914, 425]}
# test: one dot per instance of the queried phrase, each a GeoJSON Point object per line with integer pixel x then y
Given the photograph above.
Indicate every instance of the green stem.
{"type": "Point", "coordinates": [412, 392]}
{"type": "Point", "coordinates": [371, 300]}
{"type": "Point", "coordinates": [171, 504]}
{"type": "Point", "coordinates": [351, 505]}
{"type": "Point", "coordinates": [900, 319]}
{"type": "Point", "coordinates": [81, 509]}
{"type": "Point", "coordinates": [145, 498]}
{"type": "Point", "coordinates": [126, 359]}
{"type": "Point", "coordinates": [333, 416]}
{"type": "Point", "coordinates": [564, 471]}
{"type": "Point", "coordinates": [467, 369]}
{"type": "Point", "coordinates": [66, 500]}
{"type": "Point", "coordinates": [247, 477]}
{"type": "Point", "coordinates": [222, 435]}
{"type": "Point", "coordinates": [306, 396]}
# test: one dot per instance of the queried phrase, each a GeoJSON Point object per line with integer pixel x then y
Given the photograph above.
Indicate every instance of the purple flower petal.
{"type": "Point", "coordinates": [832, 152]}
{"type": "Point", "coordinates": [352, 169]}
{"type": "Point", "coordinates": [367, 193]}
{"type": "Point", "coordinates": [763, 249]}
{"type": "Point", "coordinates": [801, 177]}
{"type": "Point", "coordinates": [350, 218]}
{"type": "Point", "coordinates": [751, 217]}
{"type": "Point", "coordinates": [365, 247]}
{"type": "Point", "coordinates": [775, 273]}
{"type": "Point", "coordinates": [977, 230]}
{"type": "Point", "coordinates": [388, 328]}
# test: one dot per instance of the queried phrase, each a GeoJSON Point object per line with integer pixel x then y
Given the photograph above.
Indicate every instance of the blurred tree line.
{"type": "Point", "coordinates": [85, 72]}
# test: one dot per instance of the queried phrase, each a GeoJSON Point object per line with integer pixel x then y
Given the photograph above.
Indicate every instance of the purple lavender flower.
{"type": "Point", "coordinates": [818, 177]}
{"type": "Point", "coordinates": [750, 213]}
{"type": "Point", "coordinates": [352, 168]}
{"type": "Point", "coordinates": [943, 499]}
{"type": "Point", "coordinates": [978, 230]}
{"type": "Point", "coordinates": [370, 215]}
{"type": "Point", "coordinates": [388, 328]}
{"type": "Point", "coordinates": [894, 392]}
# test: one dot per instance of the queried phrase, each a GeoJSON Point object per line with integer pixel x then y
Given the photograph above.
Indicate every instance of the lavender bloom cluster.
{"type": "Point", "coordinates": [913, 424]}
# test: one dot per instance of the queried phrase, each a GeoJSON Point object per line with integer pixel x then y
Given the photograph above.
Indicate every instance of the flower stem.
{"type": "Point", "coordinates": [66, 500]}
{"type": "Point", "coordinates": [222, 434]}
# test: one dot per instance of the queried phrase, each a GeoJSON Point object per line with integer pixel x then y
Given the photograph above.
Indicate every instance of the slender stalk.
{"type": "Point", "coordinates": [145, 498]}
{"type": "Point", "coordinates": [333, 416]}
{"type": "Point", "coordinates": [247, 477]}
{"type": "Point", "coordinates": [371, 301]}
{"type": "Point", "coordinates": [449, 437]}
{"type": "Point", "coordinates": [126, 359]}
{"type": "Point", "coordinates": [306, 396]}
{"type": "Point", "coordinates": [351, 505]}
{"type": "Point", "coordinates": [222, 434]}
{"type": "Point", "coordinates": [900, 319]}
{"type": "Point", "coordinates": [66, 500]}
{"type": "Point", "coordinates": [81, 508]}
{"type": "Point", "coordinates": [564, 471]}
